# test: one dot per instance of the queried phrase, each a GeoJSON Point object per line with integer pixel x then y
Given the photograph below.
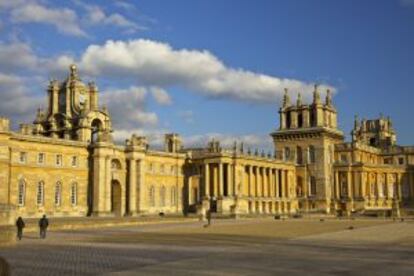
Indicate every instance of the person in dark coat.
{"type": "Point", "coordinates": [20, 225]}
{"type": "Point", "coordinates": [43, 224]}
{"type": "Point", "coordinates": [208, 217]}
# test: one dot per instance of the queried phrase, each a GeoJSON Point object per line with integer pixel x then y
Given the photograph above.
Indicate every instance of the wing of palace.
{"type": "Point", "coordinates": [66, 164]}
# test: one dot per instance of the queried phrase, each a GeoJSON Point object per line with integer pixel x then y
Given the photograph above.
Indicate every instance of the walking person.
{"type": "Point", "coordinates": [43, 224]}
{"type": "Point", "coordinates": [20, 225]}
{"type": "Point", "coordinates": [208, 215]}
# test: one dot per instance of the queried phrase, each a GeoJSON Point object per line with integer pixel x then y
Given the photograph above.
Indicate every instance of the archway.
{"type": "Point", "coordinates": [116, 198]}
{"type": "Point", "coordinates": [97, 127]}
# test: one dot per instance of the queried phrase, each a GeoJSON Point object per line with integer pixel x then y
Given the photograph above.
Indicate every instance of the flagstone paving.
{"type": "Point", "coordinates": [227, 247]}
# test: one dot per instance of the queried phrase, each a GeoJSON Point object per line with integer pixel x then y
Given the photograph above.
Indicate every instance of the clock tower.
{"type": "Point", "coordinates": [73, 112]}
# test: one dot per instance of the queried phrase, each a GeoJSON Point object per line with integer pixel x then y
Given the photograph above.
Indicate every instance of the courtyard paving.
{"type": "Point", "coordinates": [227, 247]}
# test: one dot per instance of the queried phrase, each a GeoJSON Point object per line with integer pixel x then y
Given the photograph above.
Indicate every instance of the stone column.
{"type": "Point", "coordinates": [282, 181]}
{"type": "Point", "coordinates": [220, 179]}
{"type": "Point", "coordinates": [399, 186]}
{"type": "Point", "coordinates": [206, 180]}
{"type": "Point", "coordinates": [277, 181]}
{"type": "Point", "coordinates": [238, 186]}
{"type": "Point", "coordinates": [363, 184]}
{"type": "Point", "coordinates": [349, 182]}
{"type": "Point", "coordinates": [271, 183]}
{"type": "Point", "coordinates": [132, 187]}
{"type": "Point", "coordinates": [229, 180]}
{"type": "Point", "coordinates": [256, 182]}
{"type": "Point", "coordinates": [337, 186]}
{"type": "Point", "coordinates": [250, 181]}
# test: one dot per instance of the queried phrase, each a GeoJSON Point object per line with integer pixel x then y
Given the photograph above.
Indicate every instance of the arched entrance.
{"type": "Point", "coordinates": [116, 198]}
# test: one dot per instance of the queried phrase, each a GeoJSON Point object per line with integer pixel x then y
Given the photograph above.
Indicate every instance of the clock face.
{"type": "Point", "coordinates": [82, 99]}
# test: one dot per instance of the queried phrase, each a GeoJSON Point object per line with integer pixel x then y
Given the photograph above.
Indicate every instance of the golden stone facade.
{"type": "Point", "coordinates": [66, 164]}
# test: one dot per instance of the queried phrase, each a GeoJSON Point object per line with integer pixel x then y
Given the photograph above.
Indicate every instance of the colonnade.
{"type": "Point", "coordinates": [368, 186]}
{"type": "Point", "coordinates": [225, 179]}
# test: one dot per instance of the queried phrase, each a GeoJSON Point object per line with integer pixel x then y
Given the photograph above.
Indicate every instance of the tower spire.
{"type": "Point", "coordinates": [328, 100]}
{"type": "Point", "coordinates": [286, 98]}
{"type": "Point", "coordinates": [299, 100]}
{"type": "Point", "coordinates": [316, 95]}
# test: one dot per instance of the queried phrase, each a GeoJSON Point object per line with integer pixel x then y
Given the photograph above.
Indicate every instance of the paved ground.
{"type": "Point", "coordinates": [244, 247]}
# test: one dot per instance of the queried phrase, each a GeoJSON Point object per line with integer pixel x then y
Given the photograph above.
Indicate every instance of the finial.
{"type": "Point", "coordinates": [328, 97]}
{"type": "Point", "coordinates": [299, 100]}
{"type": "Point", "coordinates": [73, 71]}
{"type": "Point", "coordinates": [286, 98]}
{"type": "Point", "coordinates": [356, 121]}
{"type": "Point", "coordinates": [316, 95]}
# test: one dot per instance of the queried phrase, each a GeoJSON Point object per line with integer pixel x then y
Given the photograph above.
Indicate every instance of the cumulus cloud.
{"type": "Point", "coordinates": [128, 108]}
{"type": "Point", "coordinates": [160, 96]}
{"type": "Point", "coordinates": [63, 19]}
{"type": "Point", "coordinates": [97, 16]}
{"type": "Point", "coordinates": [252, 141]}
{"type": "Point", "coordinates": [156, 63]}
{"type": "Point", "coordinates": [16, 101]}
{"type": "Point", "coordinates": [17, 55]}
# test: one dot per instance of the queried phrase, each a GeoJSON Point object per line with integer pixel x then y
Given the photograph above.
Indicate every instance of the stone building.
{"type": "Point", "coordinates": [66, 164]}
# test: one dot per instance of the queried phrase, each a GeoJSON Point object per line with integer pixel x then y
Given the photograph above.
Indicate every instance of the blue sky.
{"type": "Point", "coordinates": [212, 68]}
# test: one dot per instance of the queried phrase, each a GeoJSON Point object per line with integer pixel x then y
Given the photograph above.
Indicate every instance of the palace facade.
{"type": "Point", "coordinates": [66, 164]}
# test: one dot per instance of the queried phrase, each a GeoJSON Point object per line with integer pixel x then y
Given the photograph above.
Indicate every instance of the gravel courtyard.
{"type": "Point", "coordinates": [227, 247]}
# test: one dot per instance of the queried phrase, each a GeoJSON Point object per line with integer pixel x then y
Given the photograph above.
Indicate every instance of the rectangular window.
{"type": "Point", "coordinates": [58, 194]}
{"type": "Point", "coordinates": [21, 193]}
{"type": "Point", "coordinates": [312, 186]}
{"type": "Point", "coordinates": [40, 194]}
{"type": "Point", "coordinates": [58, 160]}
{"type": "Point", "coordinates": [74, 194]}
{"type": "Point", "coordinates": [344, 158]}
{"type": "Point", "coordinates": [41, 158]}
{"type": "Point", "coordinates": [74, 161]}
{"type": "Point", "coordinates": [23, 157]}
{"type": "Point", "coordinates": [401, 161]}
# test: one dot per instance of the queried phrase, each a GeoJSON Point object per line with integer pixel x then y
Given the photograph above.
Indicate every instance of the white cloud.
{"type": "Point", "coordinates": [127, 107]}
{"type": "Point", "coordinates": [17, 55]}
{"type": "Point", "coordinates": [252, 141]}
{"type": "Point", "coordinates": [158, 64]}
{"type": "Point", "coordinates": [64, 19]}
{"type": "Point", "coordinates": [161, 96]}
{"type": "Point", "coordinates": [97, 16]}
{"type": "Point", "coordinates": [16, 100]}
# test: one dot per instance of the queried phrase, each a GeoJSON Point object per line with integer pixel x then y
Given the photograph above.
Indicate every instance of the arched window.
{"type": "Point", "coordinates": [40, 197]}
{"type": "Point", "coordinates": [151, 196]}
{"type": "Point", "coordinates": [21, 193]}
{"type": "Point", "coordinates": [173, 196]}
{"type": "Point", "coordinates": [312, 154]}
{"type": "Point", "coordinates": [58, 194]}
{"type": "Point", "coordinates": [162, 196]}
{"type": "Point", "coordinates": [74, 194]}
